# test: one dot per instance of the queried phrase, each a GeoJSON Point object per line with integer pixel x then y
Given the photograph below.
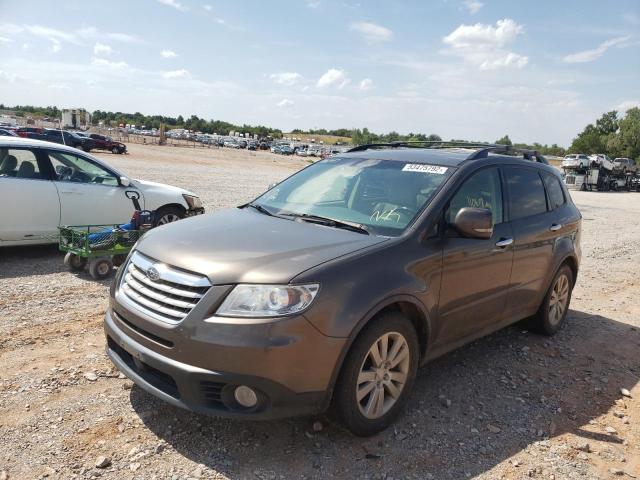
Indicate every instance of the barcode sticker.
{"type": "Point", "coordinates": [421, 167]}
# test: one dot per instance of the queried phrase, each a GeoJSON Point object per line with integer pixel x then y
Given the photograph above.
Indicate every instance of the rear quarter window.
{"type": "Point", "coordinates": [526, 192]}
{"type": "Point", "coordinates": [554, 191]}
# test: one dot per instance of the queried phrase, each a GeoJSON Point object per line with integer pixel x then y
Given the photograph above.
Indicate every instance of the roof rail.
{"type": "Point", "coordinates": [482, 149]}
{"type": "Point", "coordinates": [418, 143]}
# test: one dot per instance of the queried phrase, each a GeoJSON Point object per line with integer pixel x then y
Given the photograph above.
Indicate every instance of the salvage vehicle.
{"type": "Point", "coordinates": [108, 143]}
{"type": "Point", "coordinates": [337, 283]}
{"type": "Point", "coordinates": [48, 185]}
{"type": "Point", "coordinates": [625, 165]}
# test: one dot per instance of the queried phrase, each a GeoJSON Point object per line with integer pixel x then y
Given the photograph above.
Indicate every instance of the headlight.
{"type": "Point", "coordinates": [192, 201]}
{"type": "Point", "coordinates": [267, 300]}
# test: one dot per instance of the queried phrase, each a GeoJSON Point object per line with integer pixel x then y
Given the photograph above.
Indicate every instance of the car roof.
{"type": "Point", "coordinates": [448, 157]}
{"type": "Point", "coordinates": [17, 142]}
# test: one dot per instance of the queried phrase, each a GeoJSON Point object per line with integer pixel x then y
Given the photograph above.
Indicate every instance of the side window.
{"type": "Point", "coordinates": [526, 192]}
{"type": "Point", "coordinates": [554, 191]}
{"type": "Point", "coordinates": [72, 168]}
{"type": "Point", "coordinates": [20, 163]}
{"type": "Point", "coordinates": [482, 190]}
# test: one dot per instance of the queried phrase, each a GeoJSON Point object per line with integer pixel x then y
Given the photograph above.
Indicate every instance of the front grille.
{"type": "Point", "coordinates": [570, 180]}
{"type": "Point", "coordinates": [170, 297]}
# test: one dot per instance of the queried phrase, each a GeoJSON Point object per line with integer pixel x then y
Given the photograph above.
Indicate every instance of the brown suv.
{"type": "Point", "coordinates": [339, 282]}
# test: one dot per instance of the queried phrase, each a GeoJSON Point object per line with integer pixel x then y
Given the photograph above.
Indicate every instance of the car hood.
{"type": "Point", "coordinates": [243, 246]}
{"type": "Point", "coordinates": [147, 185]}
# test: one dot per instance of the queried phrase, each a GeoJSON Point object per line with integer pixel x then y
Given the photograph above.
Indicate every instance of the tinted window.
{"type": "Point", "coordinates": [526, 192]}
{"type": "Point", "coordinates": [481, 190]}
{"type": "Point", "coordinates": [554, 190]}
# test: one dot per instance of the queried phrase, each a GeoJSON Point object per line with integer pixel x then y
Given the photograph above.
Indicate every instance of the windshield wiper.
{"type": "Point", "coordinates": [330, 222]}
{"type": "Point", "coordinates": [259, 208]}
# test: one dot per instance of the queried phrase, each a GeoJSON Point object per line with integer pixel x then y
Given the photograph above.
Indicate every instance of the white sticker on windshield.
{"type": "Point", "coordinates": [421, 167]}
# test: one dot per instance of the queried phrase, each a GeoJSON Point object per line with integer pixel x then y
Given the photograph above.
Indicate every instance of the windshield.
{"type": "Point", "coordinates": [384, 196]}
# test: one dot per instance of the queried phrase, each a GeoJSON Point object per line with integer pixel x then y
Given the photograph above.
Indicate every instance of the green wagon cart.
{"type": "Point", "coordinates": [100, 247]}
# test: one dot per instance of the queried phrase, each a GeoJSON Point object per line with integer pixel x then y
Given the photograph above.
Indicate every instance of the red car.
{"type": "Point", "coordinates": [107, 143]}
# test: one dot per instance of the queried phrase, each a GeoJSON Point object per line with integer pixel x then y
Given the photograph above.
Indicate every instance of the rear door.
{"type": "Point", "coordinates": [475, 272]}
{"type": "Point", "coordinates": [29, 203]}
{"type": "Point", "coordinates": [89, 193]}
{"type": "Point", "coordinates": [534, 231]}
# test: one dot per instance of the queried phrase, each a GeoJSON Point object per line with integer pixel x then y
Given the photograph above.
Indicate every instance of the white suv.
{"type": "Point", "coordinates": [576, 161]}
{"type": "Point", "coordinates": [44, 185]}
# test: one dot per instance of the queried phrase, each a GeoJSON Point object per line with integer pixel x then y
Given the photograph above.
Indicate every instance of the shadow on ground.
{"type": "Point", "coordinates": [508, 391]}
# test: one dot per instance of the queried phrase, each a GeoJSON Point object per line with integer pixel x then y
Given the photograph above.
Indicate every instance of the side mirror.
{"type": "Point", "coordinates": [125, 182]}
{"type": "Point", "coordinates": [474, 222]}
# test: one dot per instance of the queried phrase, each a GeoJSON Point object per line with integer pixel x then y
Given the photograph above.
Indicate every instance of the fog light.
{"type": "Point", "coordinates": [245, 396]}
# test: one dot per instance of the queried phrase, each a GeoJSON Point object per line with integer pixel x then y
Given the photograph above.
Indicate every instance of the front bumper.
{"type": "Point", "coordinates": [281, 376]}
{"type": "Point", "coordinates": [192, 212]}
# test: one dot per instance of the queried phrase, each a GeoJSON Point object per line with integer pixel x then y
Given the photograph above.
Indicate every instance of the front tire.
{"type": "Point", "coordinates": [377, 375]}
{"type": "Point", "coordinates": [115, 150]}
{"type": "Point", "coordinates": [553, 311]}
{"type": "Point", "coordinates": [168, 214]}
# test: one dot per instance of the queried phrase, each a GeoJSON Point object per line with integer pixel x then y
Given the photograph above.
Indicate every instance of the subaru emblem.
{"type": "Point", "coordinates": [153, 273]}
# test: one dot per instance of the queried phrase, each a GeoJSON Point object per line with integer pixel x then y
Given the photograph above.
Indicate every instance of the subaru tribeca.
{"type": "Point", "coordinates": [335, 285]}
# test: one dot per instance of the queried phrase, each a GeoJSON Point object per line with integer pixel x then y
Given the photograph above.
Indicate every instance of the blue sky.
{"type": "Point", "coordinates": [474, 69]}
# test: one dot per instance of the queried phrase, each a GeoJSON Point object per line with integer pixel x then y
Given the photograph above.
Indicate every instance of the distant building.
{"type": "Point", "coordinates": [75, 118]}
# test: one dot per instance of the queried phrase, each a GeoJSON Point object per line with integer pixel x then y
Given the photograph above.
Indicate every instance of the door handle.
{"type": "Point", "coordinates": [555, 227]}
{"type": "Point", "coordinates": [504, 242]}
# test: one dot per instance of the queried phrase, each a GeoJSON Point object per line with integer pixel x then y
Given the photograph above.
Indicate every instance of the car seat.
{"type": "Point", "coordinates": [26, 170]}
{"type": "Point", "coordinates": [8, 167]}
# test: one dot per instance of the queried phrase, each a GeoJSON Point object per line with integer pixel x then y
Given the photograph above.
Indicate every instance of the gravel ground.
{"type": "Point", "coordinates": [513, 405]}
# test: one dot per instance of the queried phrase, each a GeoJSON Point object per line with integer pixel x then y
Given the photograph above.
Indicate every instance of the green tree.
{"type": "Point", "coordinates": [504, 141]}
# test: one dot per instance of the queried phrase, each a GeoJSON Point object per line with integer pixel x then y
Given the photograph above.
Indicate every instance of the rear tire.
{"type": "Point", "coordinates": [115, 150]}
{"type": "Point", "coordinates": [75, 263]}
{"type": "Point", "coordinates": [373, 388]}
{"type": "Point", "coordinates": [553, 311]}
{"type": "Point", "coordinates": [100, 268]}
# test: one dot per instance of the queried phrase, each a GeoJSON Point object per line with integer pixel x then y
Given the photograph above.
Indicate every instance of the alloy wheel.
{"type": "Point", "coordinates": [383, 375]}
{"type": "Point", "coordinates": [559, 299]}
{"type": "Point", "coordinates": [168, 218]}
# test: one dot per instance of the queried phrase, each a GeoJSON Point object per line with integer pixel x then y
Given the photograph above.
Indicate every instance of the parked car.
{"type": "Point", "coordinates": [107, 143]}
{"type": "Point", "coordinates": [7, 133]}
{"type": "Point", "coordinates": [576, 161]}
{"type": "Point", "coordinates": [252, 146]}
{"type": "Point", "coordinates": [336, 284]}
{"type": "Point", "coordinates": [48, 185]}
{"type": "Point", "coordinates": [285, 150]}
{"type": "Point", "coordinates": [625, 165]}
{"type": "Point", "coordinates": [26, 132]}
{"type": "Point", "coordinates": [64, 137]}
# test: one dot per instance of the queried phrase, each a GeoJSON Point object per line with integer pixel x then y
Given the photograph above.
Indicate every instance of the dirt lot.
{"type": "Point", "coordinates": [514, 405]}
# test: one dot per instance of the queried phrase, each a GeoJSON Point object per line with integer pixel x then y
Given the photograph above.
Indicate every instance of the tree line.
{"type": "Point", "coordinates": [611, 134]}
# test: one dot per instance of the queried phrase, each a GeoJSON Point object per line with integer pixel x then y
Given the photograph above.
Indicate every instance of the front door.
{"type": "Point", "coordinates": [29, 204]}
{"type": "Point", "coordinates": [89, 193]}
{"type": "Point", "coordinates": [475, 272]}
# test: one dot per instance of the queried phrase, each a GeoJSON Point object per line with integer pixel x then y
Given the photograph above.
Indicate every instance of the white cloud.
{"type": "Point", "coordinates": [179, 74]}
{"type": "Point", "coordinates": [285, 102]}
{"type": "Point", "coordinates": [365, 84]}
{"type": "Point", "coordinates": [333, 77]}
{"type": "Point", "coordinates": [313, 3]}
{"type": "Point", "coordinates": [168, 54]}
{"type": "Point", "coordinates": [208, 8]}
{"type": "Point", "coordinates": [371, 32]}
{"type": "Point", "coordinates": [595, 53]}
{"type": "Point", "coordinates": [484, 45]}
{"type": "Point", "coordinates": [286, 78]}
{"type": "Point", "coordinates": [55, 46]}
{"type": "Point", "coordinates": [7, 77]}
{"type": "Point", "coordinates": [124, 37]}
{"type": "Point", "coordinates": [100, 49]}
{"type": "Point", "coordinates": [5, 40]}
{"type": "Point", "coordinates": [473, 6]}
{"type": "Point", "coordinates": [101, 62]}
{"type": "Point", "coordinates": [172, 3]}
{"type": "Point", "coordinates": [628, 104]}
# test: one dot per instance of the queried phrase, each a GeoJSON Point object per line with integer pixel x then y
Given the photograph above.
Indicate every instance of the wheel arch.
{"type": "Point", "coordinates": [408, 305]}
